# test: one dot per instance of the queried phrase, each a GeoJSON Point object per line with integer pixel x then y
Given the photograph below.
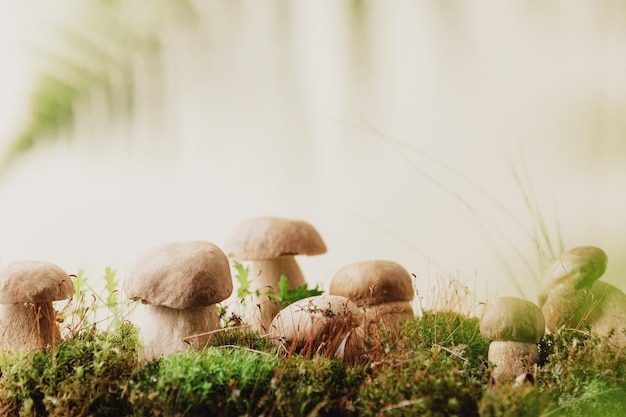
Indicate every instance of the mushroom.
{"type": "Point", "coordinates": [27, 317]}
{"type": "Point", "coordinates": [270, 244]}
{"type": "Point", "coordinates": [513, 327]}
{"type": "Point", "coordinates": [179, 284]}
{"type": "Point", "coordinates": [383, 289]}
{"type": "Point", "coordinates": [571, 295]}
{"type": "Point", "coordinates": [324, 325]}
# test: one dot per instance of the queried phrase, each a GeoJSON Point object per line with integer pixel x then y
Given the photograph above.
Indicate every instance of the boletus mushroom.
{"type": "Point", "coordinates": [270, 244]}
{"type": "Point", "coordinates": [179, 285]}
{"type": "Point", "coordinates": [382, 289]}
{"type": "Point", "coordinates": [27, 317]}
{"type": "Point", "coordinates": [514, 327]}
{"type": "Point", "coordinates": [324, 325]}
{"type": "Point", "coordinates": [571, 295]}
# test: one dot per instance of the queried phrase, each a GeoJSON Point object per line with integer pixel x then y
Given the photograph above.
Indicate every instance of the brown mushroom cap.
{"type": "Point", "coordinates": [271, 237]}
{"type": "Point", "coordinates": [373, 282]}
{"type": "Point", "coordinates": [180, 275]}
{"type": "Point", "coordinates": [577, 268]}
{"type": "Point", "coordinates": [34, 282]}
{"type": "Point", "coordinates": [512, 319]}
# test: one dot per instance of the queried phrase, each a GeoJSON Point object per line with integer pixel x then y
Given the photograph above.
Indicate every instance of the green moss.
{"type": "Point", "coordinates": [434, 365]}
{"type": "Point", "coordinates": [85, 375]}
{"type": "Point", "coordinates": [453, 332]}
{"type": "Point", "coordinates": [224, 381]}
{"type": "Point", "coordinates": [423, 382]}
{"type": "Point", "coordinates": [321, 387]}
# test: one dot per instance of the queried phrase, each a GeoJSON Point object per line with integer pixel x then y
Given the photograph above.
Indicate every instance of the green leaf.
{"type": "Point", "coordinates": [283, 287]}
{"type": "Point", "coordinates": [242, 278]}
{"type": "Point", "coordinates": [287, 296]}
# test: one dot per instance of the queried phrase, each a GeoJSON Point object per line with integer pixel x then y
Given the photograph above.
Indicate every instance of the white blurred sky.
{"type": "Point", "coordinates": [543, 82]}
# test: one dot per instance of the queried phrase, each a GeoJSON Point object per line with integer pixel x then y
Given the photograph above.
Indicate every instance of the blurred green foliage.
{"type": "Point", "coordinates": [97, 58]}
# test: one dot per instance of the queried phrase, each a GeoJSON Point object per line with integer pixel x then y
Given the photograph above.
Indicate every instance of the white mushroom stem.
{"type": "Point", "coordinates": [265, 273]}
{"type": "Point", "coordinates": [264, 276]}
{"type": "Point", "coordinates": [28, 326]}
{"type": "Point", "coordinates": [260, 311]}
{"type": "Point", "coordinates": [165, 330]}
{"type": "Point", "coordinates": [512, 359]}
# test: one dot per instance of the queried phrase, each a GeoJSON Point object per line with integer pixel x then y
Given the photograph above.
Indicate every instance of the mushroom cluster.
{"type": "Point", "coordinates": [514, 327]}
{"type": "Point", "coordinates": [324, 325]}
{"type": "Point", "coordinates": [269, 244]}
{"type": "Point", "coordinates": [382, 289]}
{"type": "Point", "coordinates": [27, 316]}
{"type": "Point", "coordinates": [178, 284]}
{"type": "Point", "coordinates": [571, 295]}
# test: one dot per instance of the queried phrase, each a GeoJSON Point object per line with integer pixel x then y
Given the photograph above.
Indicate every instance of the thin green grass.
{"type": "Point", "coordinates": [104, 308]}
{"type": "Point", "coordinates": [538, 234]}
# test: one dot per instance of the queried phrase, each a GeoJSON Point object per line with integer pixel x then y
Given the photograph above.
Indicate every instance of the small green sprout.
{"type": "Point", "coordinates": [284, 297]}
{"type": "Point", "coordinates": [242, 278]}
{"type": "Point", "coordinates": [287, 296]}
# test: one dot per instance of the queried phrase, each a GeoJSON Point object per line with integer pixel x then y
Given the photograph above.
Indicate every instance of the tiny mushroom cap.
{"type": "Point", "coordinates": [373, 282]}
{"type": "Point", "coordinates": [272, 237]}
{"type": "Point", "coordinates": [180, 275]}
{"type": "Point", "coordinates": [577, 268]}
{"type": "Point", "coordinates": [34, 282]}
{"type": "Point", "coordinates": [317, 323]}
{"type": "Point", "coordinates": [512, 319]}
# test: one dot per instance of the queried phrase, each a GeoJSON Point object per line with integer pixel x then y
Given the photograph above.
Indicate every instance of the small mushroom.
{"type": "Point", "coordinates": [27, 316]}
{"type": "Point", "coordinates": [324, 325]}
{"type": "Point", "coordinates": [572, 296]}
{"type": "Point", "coordinates": [576, 268]}
{"type": "Point", "coordinates": [270, 244]}
{"type": "Point", "coordinates": [383, 289]}
{"type": "Point", "coordinates": [513, 327]}
{"type": "Point", "coordinates": [179, 284]}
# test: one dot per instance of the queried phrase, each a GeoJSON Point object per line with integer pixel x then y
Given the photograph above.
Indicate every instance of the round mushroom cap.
{"type": "Point", "coordinates": [305, 320]}
{"type": "Point", "coordinates": [512, 319]}
{"type": "Point", "coordinates": [373, 282]}
{"type": "Point", "coordinates": [34, 282]}
{"type": "Point", "coordinates": [579, 268]}
{"type": "Point", "coordinates": [180, 275]}
{"type": "Point", "coordinates": [271, 237]}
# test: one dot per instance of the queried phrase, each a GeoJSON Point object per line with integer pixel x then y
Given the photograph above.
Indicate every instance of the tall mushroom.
{"type": "Point", "coordinates": [324, 325]}
{"type": "Point", "coordinates": [27, 316]}
{"type": "Point", "coordinates": [270, 244]}
{"type": "Point", "coordinates": [383, 289]}
{"type": "Point", "coordinates": [179, 284]}
{"type": "Point", "coordinates": [571, 295]}
{"type": "Point", "coordinates": [514, 327]}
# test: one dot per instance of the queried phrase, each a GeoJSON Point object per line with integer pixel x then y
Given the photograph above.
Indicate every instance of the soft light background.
{"type": "Point", "coordinates": [326, 111]}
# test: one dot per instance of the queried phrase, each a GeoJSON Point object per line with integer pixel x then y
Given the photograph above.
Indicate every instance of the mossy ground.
{"type": "Point", "coordinates": [435, 365]}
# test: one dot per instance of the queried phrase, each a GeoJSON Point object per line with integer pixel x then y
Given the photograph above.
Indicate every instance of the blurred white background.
{"type": "Point", "coordinates": [324, 111]}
